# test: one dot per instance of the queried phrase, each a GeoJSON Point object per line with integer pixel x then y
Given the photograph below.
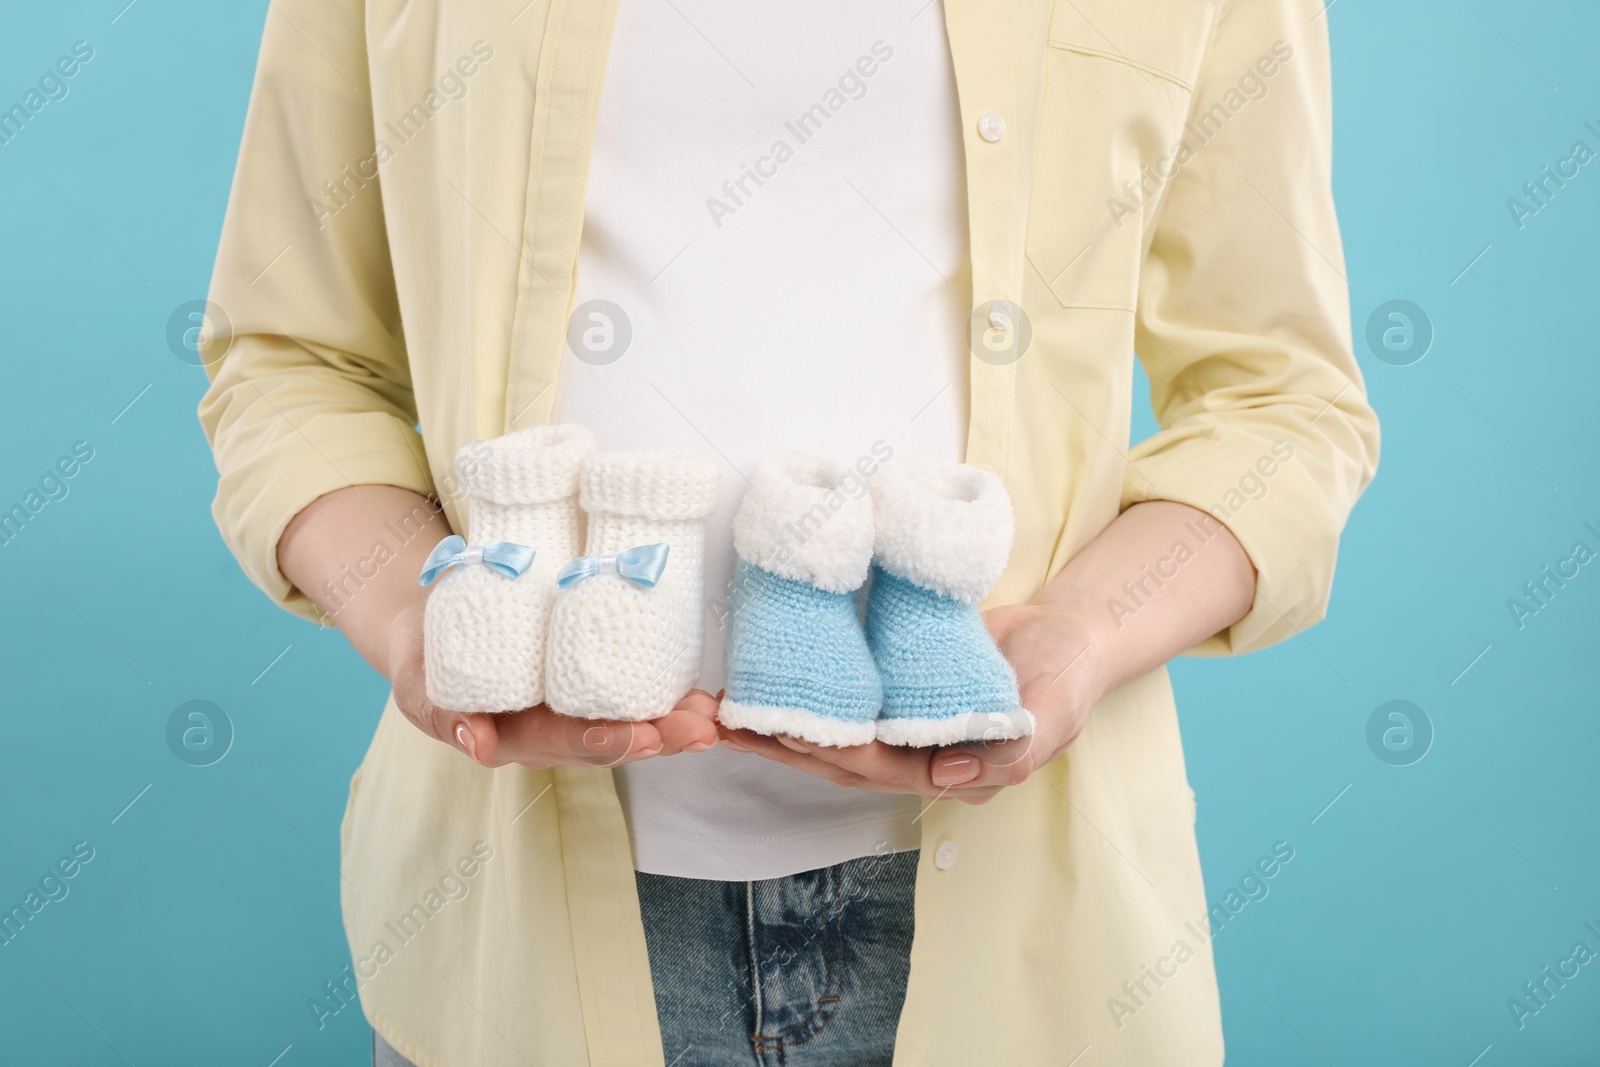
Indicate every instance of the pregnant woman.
{"type": "Point", "coordinates": [855, 230]}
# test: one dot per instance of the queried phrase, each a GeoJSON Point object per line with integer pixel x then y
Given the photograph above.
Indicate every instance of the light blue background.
{"type": "Point", "coordinates": [1415, 905]}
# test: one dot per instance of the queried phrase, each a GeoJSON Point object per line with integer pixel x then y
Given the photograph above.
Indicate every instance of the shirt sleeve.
{"type": "Point", "coordinates": [310, 390]}
{"type": "Point", "coordinates": [1243, 322]}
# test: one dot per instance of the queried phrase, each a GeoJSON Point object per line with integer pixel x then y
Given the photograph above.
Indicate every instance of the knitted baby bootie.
{"type": "Point", "coordinates": [629, 623]}
{"type": "Point", "coordinates": [797, 660]}
{"type": "Point", "coordinates": [943, 537]}
{"type": "Point", "coordinates": [484, 625]}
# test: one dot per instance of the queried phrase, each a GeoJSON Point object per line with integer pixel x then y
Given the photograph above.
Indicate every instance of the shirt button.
{"type": "Point", "coordinates": [944, 857]}
{"type": "Point", "coordinates": [991, 127]}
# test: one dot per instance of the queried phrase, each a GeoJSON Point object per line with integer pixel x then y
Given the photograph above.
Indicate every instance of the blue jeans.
{"type": "Point", "coordinates": [804, 971]}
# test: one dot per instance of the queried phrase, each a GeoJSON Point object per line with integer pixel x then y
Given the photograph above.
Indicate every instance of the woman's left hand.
{"type": "Point", "coordinates": [1068, 652]}
{"type": "Point", "coordinates": [1054, 653]}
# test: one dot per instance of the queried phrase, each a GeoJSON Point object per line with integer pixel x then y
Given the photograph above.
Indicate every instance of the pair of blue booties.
{"type": "Point", "coordinates": [920, 669]}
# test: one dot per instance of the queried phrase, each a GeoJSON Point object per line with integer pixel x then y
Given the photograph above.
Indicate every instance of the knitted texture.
{"type": "Point", "coordinates": [797, 660]}
{"type": "Point", "coordinates": [484, 634]}
{"type": "Point", "coordinates": [616, 650]}
{"type": "Point", "coordinates": [943, 534]}
{"type": "Point", "coordinates": [944, 681]}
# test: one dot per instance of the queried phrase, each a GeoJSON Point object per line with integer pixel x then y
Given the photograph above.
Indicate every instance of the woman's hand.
{"type": "Point", "coordinates": [1053, 652]}
{"type": "Point", "coordinates": [538, 737]}
{"type": "Point", "coordinates": [1084, 635]}
{"type": "Point", "coordinates": [382, 618]}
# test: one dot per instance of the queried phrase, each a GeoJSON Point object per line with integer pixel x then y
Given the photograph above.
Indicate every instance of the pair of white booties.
{"type": "Point", "coordinates": [606, 645]}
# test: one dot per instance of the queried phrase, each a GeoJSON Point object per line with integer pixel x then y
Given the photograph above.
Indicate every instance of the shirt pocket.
{"type": "Point", "coordinates": [1119, 78]}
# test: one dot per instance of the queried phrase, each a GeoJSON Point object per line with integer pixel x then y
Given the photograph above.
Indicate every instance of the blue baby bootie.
{"type": "Point", "coordinates": [796, 657]}
{"type": "Point", "coordinates": [943, 535]}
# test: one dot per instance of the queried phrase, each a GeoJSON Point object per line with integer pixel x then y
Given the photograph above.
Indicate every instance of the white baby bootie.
{"type": "Point", "coordinates": [629, 622]}
{"type": "Point", "coordinates": [484, 626]}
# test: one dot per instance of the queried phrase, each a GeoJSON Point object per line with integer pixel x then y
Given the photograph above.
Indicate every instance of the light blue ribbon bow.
{"type": "Point", "coordinates": [505, 558]}
{"type": "Point", "coordinates": [642, 566]}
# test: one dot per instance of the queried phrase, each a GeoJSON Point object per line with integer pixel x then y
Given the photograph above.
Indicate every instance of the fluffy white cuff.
{"type": "Point", "coordinates": [534, 466]}
{"type": "Point", "coordinates": [649, 484]}
{"type": "Point", "coordinates": [807, 519]}
{"type": "Point", "coordinates": [796, 722]}
{"type": "Point", "coordinates": [944, 526]}
{"type": "Point", "coordinates": [956, 730]}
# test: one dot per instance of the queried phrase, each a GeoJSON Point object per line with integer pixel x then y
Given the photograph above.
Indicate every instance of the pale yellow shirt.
{"type": "Point", "coordinates": [441, 299]}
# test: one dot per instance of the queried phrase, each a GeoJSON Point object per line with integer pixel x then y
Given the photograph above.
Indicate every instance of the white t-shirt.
{"type": "Point", "coordinates": [776, 218]}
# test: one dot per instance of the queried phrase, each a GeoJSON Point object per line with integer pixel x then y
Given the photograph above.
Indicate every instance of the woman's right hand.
{"type": "Point", "coordinates": [382, 618]}
{"type": "Point", "coordinates": [538, 737]}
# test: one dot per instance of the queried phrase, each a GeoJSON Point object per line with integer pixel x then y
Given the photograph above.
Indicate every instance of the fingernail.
{"type": "Point", "coordinates": [699, 746]}
{"type": "Point", "coordinates": [792, 744]}
{"type": "Point", "coordinates": [955, 770]}
{"type": "Point", "coordinates": [644, 753]}
{"type": "Point", "coordinates": [464, 738]}
{"type": "Point", "coordinates": [730, 743]}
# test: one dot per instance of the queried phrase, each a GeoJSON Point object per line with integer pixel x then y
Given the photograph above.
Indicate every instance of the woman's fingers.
{"type": "Point", "coordinates": [700, 703]}
{"type": "Point", "coordinates": [538, 737]}
{"type": "Point", "coordinates": [902, 770]}
{"type": "Point", "coordinates": [983, 765]}
{"type": "Point", "coordinates": [797, 757]}
{"type": "Point", "coordinates": [454, 728]}
{"type": "Point", "coordinates": [691, 726]}
{"type": "Point", "coordinates": [541, 737]}
{"type": "Point", "coordinates": [877, 767]}
{"type": "Point", "coordinates": [476, 735]}
{"type": "Point", "coordinates": [973, 772]}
